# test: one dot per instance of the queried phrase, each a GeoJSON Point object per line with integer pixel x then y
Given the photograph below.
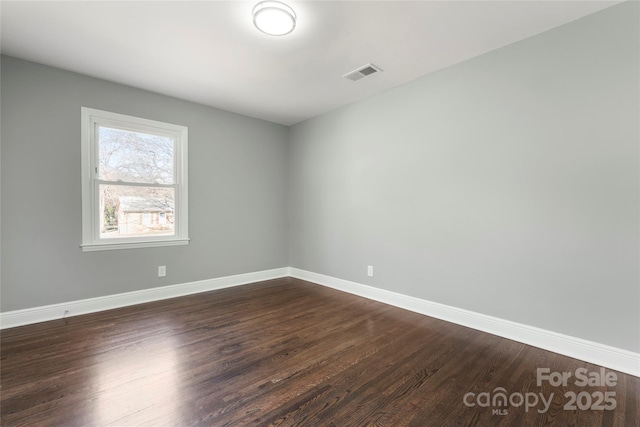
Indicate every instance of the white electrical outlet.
{"type": "Point", "coordinates": [162, 271]}
{"type": "Point", "coordinates": [370, 270]}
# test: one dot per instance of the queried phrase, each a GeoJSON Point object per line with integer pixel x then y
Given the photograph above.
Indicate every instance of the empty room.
{"type": "Point", "coordinates": [320, 213]}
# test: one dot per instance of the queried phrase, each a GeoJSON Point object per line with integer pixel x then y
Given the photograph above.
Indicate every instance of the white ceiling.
{"type": "Point", "coordinates": [209, 52]}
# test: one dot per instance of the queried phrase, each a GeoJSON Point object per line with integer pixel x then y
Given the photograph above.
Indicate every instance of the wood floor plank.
{"type": "Point", "coordinates": [283, 352]}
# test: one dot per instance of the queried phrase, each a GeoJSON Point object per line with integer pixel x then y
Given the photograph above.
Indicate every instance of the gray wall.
{"type": "Point", "coordinates": [237, 191]}
{"type": "Point", "coordinates": [507, 184]}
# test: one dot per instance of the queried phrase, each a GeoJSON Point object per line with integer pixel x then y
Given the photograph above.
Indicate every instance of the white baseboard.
{"type": "Point", "coordinates": [578, 348]}
{"type": "Point", "coordinates": [28, 316]}
{"type": "Point", "coordinates": [589, 351]}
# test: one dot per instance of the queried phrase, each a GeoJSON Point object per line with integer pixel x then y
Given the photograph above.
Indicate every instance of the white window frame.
{"type": "Point", "coordinates": [91, 119]}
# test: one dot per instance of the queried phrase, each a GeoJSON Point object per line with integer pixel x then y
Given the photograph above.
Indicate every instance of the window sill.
{"type": "Point", "coordinates": [132, 245]}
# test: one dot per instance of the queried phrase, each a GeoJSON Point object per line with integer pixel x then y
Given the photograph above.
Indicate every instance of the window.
{"type": "Point", "coordinates": [134, 182]}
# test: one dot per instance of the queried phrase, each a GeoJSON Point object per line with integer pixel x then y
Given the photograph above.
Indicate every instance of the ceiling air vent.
{"type": "Point", "coordinates": [362, 72]}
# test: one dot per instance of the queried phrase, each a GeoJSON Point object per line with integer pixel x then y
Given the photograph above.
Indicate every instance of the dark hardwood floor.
{"type": "Point", "coordinates": [287, 352]}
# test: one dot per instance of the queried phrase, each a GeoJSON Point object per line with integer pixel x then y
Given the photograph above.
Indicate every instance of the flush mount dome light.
{"type": "Point", "coordinates": [274, 18]}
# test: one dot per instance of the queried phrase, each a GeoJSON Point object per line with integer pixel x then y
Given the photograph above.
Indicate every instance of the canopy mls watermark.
{"type": "Point", "coordinates": [500, 402]}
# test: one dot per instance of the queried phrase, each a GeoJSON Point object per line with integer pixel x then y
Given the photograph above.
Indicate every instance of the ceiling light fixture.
{"type": "Point", "coordinates": [274, 18]}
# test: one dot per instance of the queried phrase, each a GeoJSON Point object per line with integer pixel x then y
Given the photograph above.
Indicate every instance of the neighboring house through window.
{"type": "Point", "coordinates": [134, 182]}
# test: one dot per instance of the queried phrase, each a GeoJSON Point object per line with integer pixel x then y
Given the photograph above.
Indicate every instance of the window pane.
{"type": "Point", "coordinates": [128, 211]}
{"type": "Point", "coordinates": [135, 156]}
